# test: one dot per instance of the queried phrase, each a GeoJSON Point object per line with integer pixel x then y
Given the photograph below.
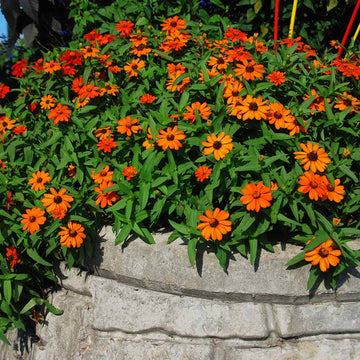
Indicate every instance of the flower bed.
{"type": "Point", "coordinates": [232, 145]}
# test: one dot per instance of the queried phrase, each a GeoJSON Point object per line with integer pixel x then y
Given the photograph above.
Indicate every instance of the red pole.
{"type": "Point", "coordinates": [343, 42]}
{"type": "Point", "coordinates": [276, 24]}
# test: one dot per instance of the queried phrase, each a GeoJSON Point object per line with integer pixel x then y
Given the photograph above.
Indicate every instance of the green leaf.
{"type": "Point", "coordinates": [222, 256]}
{"type": "Point", "coordinates": [123, 234]}
{"type": "Point", "coordinates": [35, 256]}
{"type": "Point", "coordinates": [7, 290]}
{"type": "Point", "coordinates": [313, 277]}
{"type": "Point", "coordinates": [348, 172]}
{"type": "Point", "coordinates": [253, 244]}
{"type": "Point", "coordinates": [181, 228]}
{"type": "Point", "coordinates": [144, 194]}
{"type": "Point", "coordinates": [192, 250]}
{"type": "Point", "coordinates": [296, 259]}
{"type": "Point", "coordinates": [52, 308]}
{"type": "Point", "coordinates": [30, 304]}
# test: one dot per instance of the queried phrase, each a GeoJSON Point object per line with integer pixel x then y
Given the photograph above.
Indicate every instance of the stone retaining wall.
{"type": "Point", "coordinates": [146, 302]}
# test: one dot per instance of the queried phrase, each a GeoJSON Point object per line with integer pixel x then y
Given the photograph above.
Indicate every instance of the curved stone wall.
{"type": "Point", "coordinates": [147, 302]}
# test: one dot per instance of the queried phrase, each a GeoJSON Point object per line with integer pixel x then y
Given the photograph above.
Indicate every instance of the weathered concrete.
{"type": "Point", "coordinates": [146, 302]}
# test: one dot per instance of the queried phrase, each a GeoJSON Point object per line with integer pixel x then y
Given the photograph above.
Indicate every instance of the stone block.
{"type": "Point", "coordinates": [313, 319]}
{"type": "Point", "coordinates": [63, 337]}
{"type": "Point", "coordinates": [120, 349]}
{"type": "Point", "coordinates": [134, 310]}
{"type": "Point", "coordinates": [166, 268]}
{"type": "Point", "coordinates": [324, 349]}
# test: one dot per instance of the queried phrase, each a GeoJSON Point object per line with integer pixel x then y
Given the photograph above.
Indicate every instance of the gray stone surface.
{"type": "Point", "coordinates": [146, 302]}
{"type": "Point", "coordinates": [310, 349]}
{"type": "Point", "coordinates": [166, 268]}
{"type": "Point", "coordinates": [312, 319]}
{"type": "Point", "coordinates": [65, 336]}
{"type": "Point", "coordinates": [120, 349]}
{"type": "Point", "coordinates": [134, 310]}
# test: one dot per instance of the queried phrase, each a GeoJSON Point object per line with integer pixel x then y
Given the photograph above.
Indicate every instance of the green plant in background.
{"type": "Point", "coordinates": [151, 121]}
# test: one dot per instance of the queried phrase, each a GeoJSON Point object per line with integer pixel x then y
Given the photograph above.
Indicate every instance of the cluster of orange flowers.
{"type": "Point", "coordinates": [57, 204]}
{"type": "Point", "coordinates": [314, 158]}
{"type": "Point", "coordinates": [104, 179]}
{"type": "Point", "coordinates": [233, 66]}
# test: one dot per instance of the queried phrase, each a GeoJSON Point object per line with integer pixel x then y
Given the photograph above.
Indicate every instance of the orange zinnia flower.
{"type": "Point", "coordinates": [334, 192]}
{"type": "Point", "coordinates": [47, 102]}
{"type": "Point", "coordinates": [252, 108]}
{"type": "Point", "coordinates": [146, 143]}
{"type": "Point", "coordinates": [203, 110]}
{"type": "Point", "coordinates": [313, 184]}
{"type": "Point", "coordinates": [59, 113]}
{"type": "Point", "coordinates": [173, 24]}
{"type": "Point", "coordinates": [202, 173]}
{"type": "Point", "coordinates": [12, 256]}
{"type": "Point", "coordinates": [170, 138]}
{"type": "Point", "coordinates": [129, 172]}
{"type": "Point", "coordinates": [9, 200]}
{"type": "Point", "coordinates": [103, 133]}
{"type": "Point", "coordinates": [109, 89]}
{"type": "Point", "coordinates": [51, 66]}
{"type": "Point", "coordinates": [127, 126]}
{"type": "Point", "coordinates": [38, 180]}
{"type": "Point", "coordinates": [293, 125]}
{"type": "Point", "coordinates": [324, 255]}
{"type": "Point", "coordinates": [106, 198]}
{"type": "Point", "coordinates": [132, 68]}
{"type": "Point", "coordinates": [235, 34]}
{"type": "Point", "coordinates": [256, 196]}
{"type": "Point", "coordinates": [6, 124]}
{"type": "Point", "coordinates": [104, 175]}
{"type": "Point", "coordinates": [220, 146]}
{"type": "Point", "coordinates": [278, 115]}
{"type": "Point", "coordinates": [214, 225]}
{"type": "Point", "coordinates": [313, 157]}
{"type": "Point", "coordinates": [89, 51]}
{"type": "Point", "coordinates": [71, 169]}
{"type": "Point", "coordinates": [318, 102]}
{"type": "Point", "coordinates": [33, 219]}
{"type": "Point", "coordinates": [124, 27]}
{"type": "Point", "coordinates": [89, 91]}
{"type": "Point", "coordinates": [232, 90]}
{"type": "Point", "coordinates": [219, 63]}
{"type": "Point", "coordinates": [147, 99]}
{"type": "Point", "coordinates": [345, 101]}
{"type": "Point", "coordinates": [20, 129]}
{"type": "Point", "coordinates": [238, 54]}
{"type": "Point", "coordinates": [72, 235]}
{"type": "Point", "coordinates": [277, 77]}
{"type": "Point", "coordinates": [211, 73]}
{"type": "Point", "coordinates": [249, 70]}
{"type": "Point", "coordinates": [57, 200]}
{"type": "Point", "coordinates": [106, 144]}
